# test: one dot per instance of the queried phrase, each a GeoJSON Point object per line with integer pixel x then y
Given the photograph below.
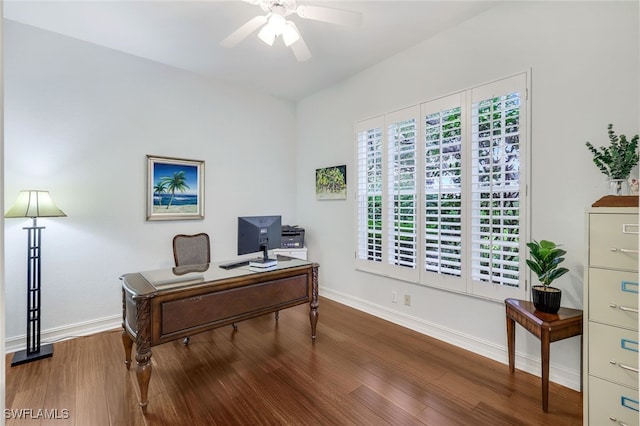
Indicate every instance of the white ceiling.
{"type": "Point", "coordinates": [187, 34]}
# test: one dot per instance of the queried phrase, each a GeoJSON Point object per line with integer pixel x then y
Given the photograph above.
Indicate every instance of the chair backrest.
{"type": "Point", "coordinates": [191, 249]}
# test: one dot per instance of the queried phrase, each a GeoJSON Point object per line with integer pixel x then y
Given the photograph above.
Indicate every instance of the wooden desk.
{"type": "Point", "coordinates": [165, 305]}
{"type": "Point", "coordinates": [546, 327]}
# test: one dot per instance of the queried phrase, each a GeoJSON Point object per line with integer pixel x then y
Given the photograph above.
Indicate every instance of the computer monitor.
{"type": "Point", "coordinates": [259, 233]}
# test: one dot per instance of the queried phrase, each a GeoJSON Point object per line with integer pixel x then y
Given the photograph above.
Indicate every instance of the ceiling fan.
{"type": "Point", "coordinates": [275, 24]}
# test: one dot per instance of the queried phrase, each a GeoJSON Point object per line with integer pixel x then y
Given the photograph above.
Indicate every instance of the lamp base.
{"type": "Point", "coordinates": [21, 357]}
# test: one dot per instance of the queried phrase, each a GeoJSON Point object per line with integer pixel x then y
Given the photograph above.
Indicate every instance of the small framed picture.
{"type": "Point", "coordinates": [331, 183]}
{"type": "Point", "coordinates": [175, 188]}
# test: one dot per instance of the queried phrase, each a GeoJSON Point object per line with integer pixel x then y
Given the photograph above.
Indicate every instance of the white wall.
{"type": "Point", "coordinates": [584, 62]}
{"type": "Point", "coordinates": [79, 121]}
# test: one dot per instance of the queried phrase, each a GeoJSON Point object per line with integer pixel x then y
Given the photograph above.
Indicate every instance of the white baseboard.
{"type": "Point", "coordinates": [53, 335]}
{"type": "Point", "coordinates": [481, 347]}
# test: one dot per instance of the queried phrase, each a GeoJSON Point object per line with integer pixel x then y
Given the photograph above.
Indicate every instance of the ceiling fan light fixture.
{"type": "Point", "coordinates": [290, 34]}
{"type": "Point", "coordinates": [274, 24]}
{"type": "Point", "coordinates": [274, 27]}
{"type": "Point", "coordinates": [267, 34]}
{"type": "Point", "coordinates": [277, 22]}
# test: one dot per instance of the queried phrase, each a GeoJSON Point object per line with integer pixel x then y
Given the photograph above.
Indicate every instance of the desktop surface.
{"type": "Point", "coordinates": [193, 275]}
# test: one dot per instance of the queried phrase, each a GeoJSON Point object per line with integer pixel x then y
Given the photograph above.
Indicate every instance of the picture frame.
{"type": "Point", "coordinates": [331, 183]}
{"type": "Point", "coordinates": [175, 188]}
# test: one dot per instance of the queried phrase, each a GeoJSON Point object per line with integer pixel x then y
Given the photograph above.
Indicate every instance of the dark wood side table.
{"type": "Point", "coordinates": [546, 327]}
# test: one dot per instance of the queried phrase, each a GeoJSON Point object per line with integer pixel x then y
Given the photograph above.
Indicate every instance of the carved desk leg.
{"type": "Point", "coordinates": [128, 345]}
{"type": "Point", "coordinates": [143, 349]}
{"type": "Point", "coordinates": [313, 306]}
{"type": "Point", "coordinates": [511, 342]}
{"type": "Point", "coordinates": [126, 340]}
{"type": "Point", "coordinates": [143, 373]}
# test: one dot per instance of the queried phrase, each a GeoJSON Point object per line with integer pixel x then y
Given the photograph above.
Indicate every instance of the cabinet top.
{"type": "Point", "coordinates": [613, 210]}
{"type": "Point", "coordinates": [617, 201]}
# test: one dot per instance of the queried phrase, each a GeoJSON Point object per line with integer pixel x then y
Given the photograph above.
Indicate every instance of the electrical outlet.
{"type": "Point", "coordinates": [394, 297]}
{"type": "Point", "coordinates": [407, 300]}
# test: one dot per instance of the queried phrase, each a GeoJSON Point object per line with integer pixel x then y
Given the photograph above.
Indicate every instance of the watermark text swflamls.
{"type": "Point", "coordinates": [39, 413]}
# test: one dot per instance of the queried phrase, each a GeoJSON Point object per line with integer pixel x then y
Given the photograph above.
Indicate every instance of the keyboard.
{"type": "Point", "coordinates": [232, 265]}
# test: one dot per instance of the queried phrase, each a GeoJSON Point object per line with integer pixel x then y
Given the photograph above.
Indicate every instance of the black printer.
{"type": "Point", "coordinates": [292, 237]}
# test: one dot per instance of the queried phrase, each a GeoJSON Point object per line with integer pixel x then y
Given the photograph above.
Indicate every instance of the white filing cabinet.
{"type": "Point", "coordinates": [298, 253]}
{"type": "Point", "coordinates": [610, 377]}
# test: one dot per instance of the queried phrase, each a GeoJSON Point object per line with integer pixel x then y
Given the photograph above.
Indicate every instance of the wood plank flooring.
{"type": "Point", "coordinates": [361, 371]}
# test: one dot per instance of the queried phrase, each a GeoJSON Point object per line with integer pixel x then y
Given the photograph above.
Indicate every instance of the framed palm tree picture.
{"type": "Point", "coordinates": [175, 188]}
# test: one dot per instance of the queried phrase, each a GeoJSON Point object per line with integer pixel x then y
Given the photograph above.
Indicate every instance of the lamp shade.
{"type": "Point", "coordinates": [34, 203]}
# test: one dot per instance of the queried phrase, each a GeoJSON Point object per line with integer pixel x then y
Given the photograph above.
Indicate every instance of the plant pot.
{"type": "Point", "coordinates": [546, 299]}
{"type": "Point", "coordinates": [619, 187]}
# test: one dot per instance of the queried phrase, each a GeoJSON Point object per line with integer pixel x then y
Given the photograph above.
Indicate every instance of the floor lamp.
{"type": "Point", "coordinates": [33, 204]}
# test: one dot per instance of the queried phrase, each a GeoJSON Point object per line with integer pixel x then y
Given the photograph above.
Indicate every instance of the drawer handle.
{"type": "Point", "coordinates": [628, 367]}
{"type": "Point", "coordinates": [625, 227]}
{"type": "Point", "coordinates": [623, 308]}
{"type": "Point", "coordinates": [623, 366]}
{"type": "Point", "coordinates": [623, 250]}
{"type": "Point", "coordinates": [621, 423]}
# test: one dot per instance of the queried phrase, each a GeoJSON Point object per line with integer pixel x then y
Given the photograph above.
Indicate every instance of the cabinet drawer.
{"type": "Point", "coordinates": [613, 354]}
{"type": "Point", "coordinates": [215, 307]}
{"type": "Point", "coordinates": [613, 241]}
{"type": "Point", "coordinates": [611, 404]}
{"type": "Point", "coordinates": [613, 297]}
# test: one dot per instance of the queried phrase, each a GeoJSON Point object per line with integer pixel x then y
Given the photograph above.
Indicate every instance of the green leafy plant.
{"type": "Point", "coordinates": [546, 256]}
{"type": "Point", "coordinates": [617, 159]}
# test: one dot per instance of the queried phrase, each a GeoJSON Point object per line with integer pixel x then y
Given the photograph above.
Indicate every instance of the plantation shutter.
{"type": "Point", "coordinates": [369, 190]}
{"type": "Point", "coordinates": [497, 190]}
{"type": "Point", "coordinates": [443, 192]}
{"type": "Point", "coordinates": [402, 190]}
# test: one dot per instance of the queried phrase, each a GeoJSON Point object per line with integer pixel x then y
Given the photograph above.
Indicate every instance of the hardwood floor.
{"type": "Point", "coordinates": [361, 371]}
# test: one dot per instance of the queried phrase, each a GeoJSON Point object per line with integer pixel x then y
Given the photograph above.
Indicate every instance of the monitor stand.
{"type": "Point", "coordinates": [263, 262]}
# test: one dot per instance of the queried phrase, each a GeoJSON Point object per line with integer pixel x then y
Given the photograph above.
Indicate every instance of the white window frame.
{"type": "Point", "coordinates": [418, 274]}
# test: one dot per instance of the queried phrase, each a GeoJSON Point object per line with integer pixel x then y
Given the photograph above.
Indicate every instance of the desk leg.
{"type": "Point", "coordinates": [127, 342]}
{"type": "Point", "coordinates": [545, 343]}
{"type": "Point", "coordinates": [143, 373]}
{"type": "Point", "coordinates": [128, 345]}
{"type": "Point", "coordinates": [313, 317]}
{"type": "Point", "coordinates": [143, 349]}
{"type": "Point", "coordinates": [511, 343]}
{"type": "Point", "coordinates": [313, 305]}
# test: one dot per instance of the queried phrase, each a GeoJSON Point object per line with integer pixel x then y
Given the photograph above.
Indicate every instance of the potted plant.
{"type": "Point", "coordinates": [545, 258]}
{"type": "Point", "coordinates": [616, 160]}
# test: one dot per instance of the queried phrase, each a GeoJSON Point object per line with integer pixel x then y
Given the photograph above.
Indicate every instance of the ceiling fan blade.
{"type": "Point", "coordinates": [327, 14]}
{"type": "Point", "coordinates": [300, 50]}
{"type": "Point", "coordinates": [299, 47]}
{"type": "Point", "coordinates": [244, 31]}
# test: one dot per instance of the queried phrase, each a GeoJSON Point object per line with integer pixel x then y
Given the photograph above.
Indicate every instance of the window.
{"type": "Point", "coordinates": [402, 135]}
{"type": "Point", "coordinates": [441, 195]}
{"type": "Point", "coordinates": [370, 194]}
